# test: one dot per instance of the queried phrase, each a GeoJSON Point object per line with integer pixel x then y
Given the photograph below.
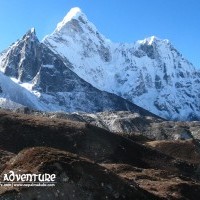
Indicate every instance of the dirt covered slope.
{"type": "Point", "coordinates": [77, 178]}
{"type": "Point", "coordinates": [95, 163]}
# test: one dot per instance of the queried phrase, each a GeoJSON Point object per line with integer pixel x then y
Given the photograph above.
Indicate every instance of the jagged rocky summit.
{"type": "Point", "coordinates": [41, 80]}
{"type": "Point", "coordinates": [76, 69]}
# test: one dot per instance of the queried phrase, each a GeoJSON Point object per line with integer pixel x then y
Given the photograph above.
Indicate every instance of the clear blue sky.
{"type": "Point", "coordinates": [118, 20]}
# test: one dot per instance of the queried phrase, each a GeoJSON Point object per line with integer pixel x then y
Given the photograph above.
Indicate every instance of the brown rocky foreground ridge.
{"type": "Point", "coordinates": [93, 163]}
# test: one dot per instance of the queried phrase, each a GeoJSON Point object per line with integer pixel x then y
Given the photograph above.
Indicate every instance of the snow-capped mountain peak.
{"type": "Point", "coordinates": [148, 40]}
{"type": "Point", "coordinates": [153, 40]}
{"type": "Point", "coordinates": [18, 61]}
{"type": "Point", "coordinates": [41, 80]}
{"type": "Point", "coordinates": [32, 31]}
{"type": "Point", "coordinates": [76, 24]}
{"type": "Point", "coordinates": [74, 14]}
{"type": "Point", "coordinates": [30, 35]}
{"type": "Point", "coordinates": [150, 72]}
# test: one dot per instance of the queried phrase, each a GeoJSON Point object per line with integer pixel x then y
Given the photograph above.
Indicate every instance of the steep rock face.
{"type": "Point", "coordinates": [51, 83]}
{"type": "Point", "coordinates": [22, 59]}
{"type": "Point", "coordinates": [150, 72]}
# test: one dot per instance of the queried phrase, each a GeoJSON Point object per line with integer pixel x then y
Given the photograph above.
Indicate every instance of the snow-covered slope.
{"type": "Point", "coordinates": [41, 80]}
{"type": "Point", "coordinates": [13, 96]}
{"type": "Point", "coordinates": [151, 72]}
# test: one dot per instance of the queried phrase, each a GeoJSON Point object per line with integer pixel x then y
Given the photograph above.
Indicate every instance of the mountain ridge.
{"type": "Point", "coordinates": [51, 83]}
{"type": "Point", "coordinates": [150, 73]}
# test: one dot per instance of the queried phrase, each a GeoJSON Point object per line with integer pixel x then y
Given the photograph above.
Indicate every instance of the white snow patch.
{"type": "Point", "coordinates": [48, 66]}
{"type": "Point", "coordinates": [72, 14]}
